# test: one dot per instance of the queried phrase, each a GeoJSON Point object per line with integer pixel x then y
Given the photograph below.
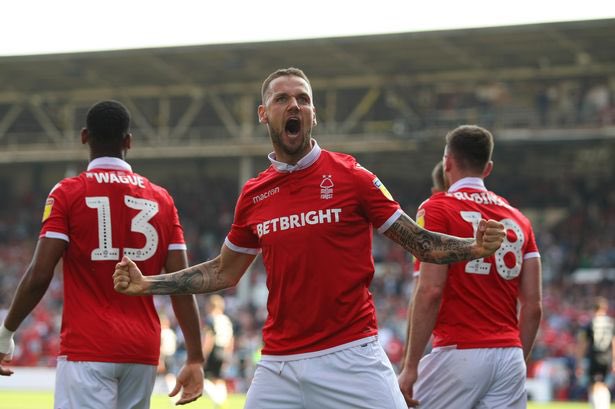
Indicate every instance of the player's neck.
{"type": "Point", "coordinates": [96, 155]}
{"type": "Point", "coordinates": [455, 176]}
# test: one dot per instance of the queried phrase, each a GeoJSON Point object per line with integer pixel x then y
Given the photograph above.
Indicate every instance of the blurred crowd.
{"type": "Point", "coordinates": [579, 238]}
{"type": "Point", "coordinates": [535, 104]}
{"type": "Point", "coordinates": [583, 238]}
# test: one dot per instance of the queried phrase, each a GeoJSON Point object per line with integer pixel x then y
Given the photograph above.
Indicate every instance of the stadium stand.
{"type": "Point", "coordinates": [547, 91]}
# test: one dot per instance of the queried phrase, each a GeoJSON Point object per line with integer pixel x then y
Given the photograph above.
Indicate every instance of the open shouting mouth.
{"type": "Point", "coordinates": [293, 126]}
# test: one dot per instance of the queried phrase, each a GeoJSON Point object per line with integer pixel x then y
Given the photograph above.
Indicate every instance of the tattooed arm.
{"type": "Point", "coordinates": [222, 272]}
{"type": "Point", "coordinates": [444, 249]}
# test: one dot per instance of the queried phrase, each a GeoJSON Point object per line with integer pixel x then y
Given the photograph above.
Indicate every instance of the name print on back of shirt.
{"type": "Point", "coordinates": [111, 177]}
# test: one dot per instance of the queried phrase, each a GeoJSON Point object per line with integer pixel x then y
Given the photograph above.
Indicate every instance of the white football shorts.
{"type": "Point", "coordinates": [103, 385]}
{"type": "Point", "coordinates": [482, 378]}
{"type": "Point", "coordinates": [357, 377]}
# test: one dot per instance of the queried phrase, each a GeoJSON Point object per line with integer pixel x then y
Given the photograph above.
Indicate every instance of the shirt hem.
{"type": "Point", "coordinates": [56, 235]}
{"type": "Point", "coordinates": [314, 354]}
{"type": "Point", "coordinates": [385, 226]}
{"type": "Point", "coordinates": [245, 250]}
{"type": "Point", "coordinates": [115, 360]}
{"type": "Point", "coordinates": [533, 254]}
{"type": "Point", "coordinates": [515, 344]}
{"type": "Point", "coordinates": [178, 246]}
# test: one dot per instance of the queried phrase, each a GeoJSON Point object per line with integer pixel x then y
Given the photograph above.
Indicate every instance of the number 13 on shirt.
{"type": "Point", "coordinates": [139, 224]}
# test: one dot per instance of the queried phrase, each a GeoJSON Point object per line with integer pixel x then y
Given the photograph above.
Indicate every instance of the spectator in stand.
{"type": "Point", "coordinates": [218, 344]}
{"type": "Point", "coordinates": [168, 348]}
{"type": "Point", "coordinates": [596, 353]}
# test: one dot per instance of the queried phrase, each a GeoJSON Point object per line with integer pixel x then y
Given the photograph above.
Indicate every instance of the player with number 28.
{"type": "Point", "coordinates": [484, 313]}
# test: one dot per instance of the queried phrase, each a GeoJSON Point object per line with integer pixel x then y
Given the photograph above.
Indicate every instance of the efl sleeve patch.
{"type": "Point", "coordinates": [382, 188]}
{"type": "Point", "coordinates": [48, 207]}
{"type": "Point", "coordinates": [420, 218]}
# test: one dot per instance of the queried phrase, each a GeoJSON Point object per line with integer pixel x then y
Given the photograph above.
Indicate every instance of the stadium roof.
{"type": "Point", "coordinates": [53, 88]}
{"type": "Point", "coordinates": [549, 49]}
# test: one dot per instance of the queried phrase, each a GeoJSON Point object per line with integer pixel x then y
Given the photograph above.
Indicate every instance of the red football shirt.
{"type": "Point", "coordinates": [104, 213]}
{"type": "Point", "coordinates": [479, 305]}
{"type": "Point", "coordinates": [313, 223]}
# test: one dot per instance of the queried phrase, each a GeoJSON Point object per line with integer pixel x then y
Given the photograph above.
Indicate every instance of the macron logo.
{"type": "Point", "coordinates": [265, 195]}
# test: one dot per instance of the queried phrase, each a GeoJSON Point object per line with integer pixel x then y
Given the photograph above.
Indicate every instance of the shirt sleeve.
{"type": "Point", "coordinates": [433, 216]}
{"type": "Point", "coordinates": [55, 215]}
{"type": "Point", "coordinates": [420, 220]}
{"type": "Point", "coordinates": [242, 238]}
{"type": "Point", "coordinates": [531, 249]}
{"type": "Point", "coordinates": [177, 241]}
{"type": "Point", "coordinates": [430, 216]}
{"type": "Point", "coordinates": [378, 204]}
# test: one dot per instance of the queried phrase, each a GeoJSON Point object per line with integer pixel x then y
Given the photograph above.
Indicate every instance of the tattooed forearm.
{"type": "Point", "coordinates": [187, 281]}
{"type": "Point", "coordinates": [202, 278]}
{"type": "Point", "coordinates": [429, 246]}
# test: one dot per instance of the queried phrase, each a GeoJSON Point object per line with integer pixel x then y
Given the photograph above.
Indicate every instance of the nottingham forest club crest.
{"type": "Point", "coordinates": [326, 187]}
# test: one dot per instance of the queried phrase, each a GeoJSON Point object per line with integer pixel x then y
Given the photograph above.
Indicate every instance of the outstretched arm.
{"type": "Point", "coordinates": [31, 289]}
{"type": "Point", "coordinates": [441, 248]}
{"type": "Point", "coordinates": [222, 272]}
{"type": "Point", "coordinates": [190, 377]}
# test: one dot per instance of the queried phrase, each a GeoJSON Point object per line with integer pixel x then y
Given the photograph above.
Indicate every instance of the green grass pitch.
{"type": "Point", "coordinates": [10, 399]}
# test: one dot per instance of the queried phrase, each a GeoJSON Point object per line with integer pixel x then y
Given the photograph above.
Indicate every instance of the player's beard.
{"type": "Point", "coordinates": [297, 151]}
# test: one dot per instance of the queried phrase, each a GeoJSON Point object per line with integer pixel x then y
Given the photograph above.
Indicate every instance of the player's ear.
{"type": "Point", "coordinates": [85, 136]}
{"type": "Point", "coordinates": [446, 163]}
{"type": "Point", "coordinates": [262, 114]}
{"type": "Point", "coordinates": [127, 143]}
{"type": "Point", "coordinates": [488, 169]}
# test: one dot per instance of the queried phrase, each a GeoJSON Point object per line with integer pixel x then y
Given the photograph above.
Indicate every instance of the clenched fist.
{"type": "Point", "coordinates": [489, 237]}
{"type": "Point", "coordinates": [128, 279]}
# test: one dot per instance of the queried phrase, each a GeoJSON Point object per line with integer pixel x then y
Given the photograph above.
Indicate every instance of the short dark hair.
{"type": "Point", "coordinates": [471, 146]}
{"type": "Point", "coordinates": [107, 122]}
{"type": "Point", "coordinates": [290, 71]}
{"type": "Point", "coordinates": [437, 177]}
